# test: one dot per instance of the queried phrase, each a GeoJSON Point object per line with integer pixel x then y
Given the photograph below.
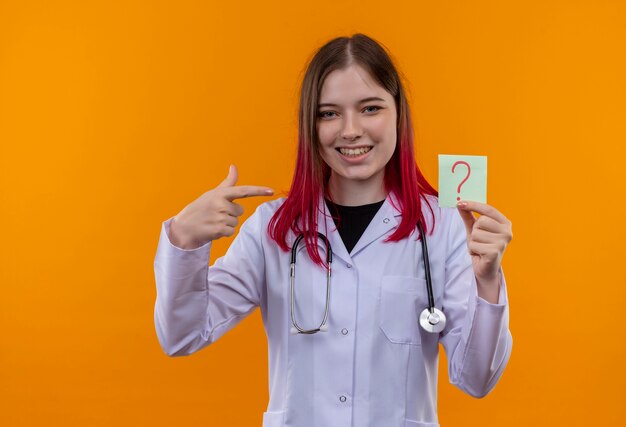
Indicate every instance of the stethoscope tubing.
{"type": "Point", "coordinates": [429, 283]}
{"type": "Point", "coordinates": [292, 279]}
{"type": "Point", "coordinates": [431, 318]}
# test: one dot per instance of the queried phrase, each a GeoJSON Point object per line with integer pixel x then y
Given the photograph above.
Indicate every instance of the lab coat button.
{"type": "Point", "coordinates": [386, 220]}
{"type": "Point", "coordinates": [349, 265]}
{"type": "Point", "coordinates": [344, 331]}
{"type": "Point", "coordinates": [342, 398]}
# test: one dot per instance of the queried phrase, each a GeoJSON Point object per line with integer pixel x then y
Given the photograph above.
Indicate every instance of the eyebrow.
{"type": "Point", "coordinates": [371, 98]}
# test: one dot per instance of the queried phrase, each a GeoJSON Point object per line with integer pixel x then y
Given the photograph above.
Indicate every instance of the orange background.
{"type": "Point", "coordinates": [116, 114]}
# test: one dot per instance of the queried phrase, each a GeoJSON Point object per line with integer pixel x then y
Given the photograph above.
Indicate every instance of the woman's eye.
{"type": "Point", "coordinates": [329, 114]}
{"type": "Point", "coordinates": [373, 106]}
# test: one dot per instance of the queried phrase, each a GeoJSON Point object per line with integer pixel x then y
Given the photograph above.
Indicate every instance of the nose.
{"type": "Point", "coordinates": [351, 128]}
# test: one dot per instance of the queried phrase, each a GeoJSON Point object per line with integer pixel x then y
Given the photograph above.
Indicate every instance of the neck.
{"type": "Point", "coordinates": [356, 193]}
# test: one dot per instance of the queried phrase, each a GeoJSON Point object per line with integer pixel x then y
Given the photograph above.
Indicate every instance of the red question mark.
{"type": "Point", "coordinates": [469, 170]}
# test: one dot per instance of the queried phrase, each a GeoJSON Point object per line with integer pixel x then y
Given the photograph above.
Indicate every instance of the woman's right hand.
{"type": "Point", "coordinates": [212, 215]}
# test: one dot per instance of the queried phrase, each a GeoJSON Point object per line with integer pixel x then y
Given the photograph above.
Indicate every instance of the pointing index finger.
{"type": "Point", "coordinates": [242, 191]}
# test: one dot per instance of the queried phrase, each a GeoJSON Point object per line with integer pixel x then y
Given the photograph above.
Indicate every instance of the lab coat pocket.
{"type": "Point", "coordinates": [400, 299]}
{"type": "Point", "coordinates": [274, 419]}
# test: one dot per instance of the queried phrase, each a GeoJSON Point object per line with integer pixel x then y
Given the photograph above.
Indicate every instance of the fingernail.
{"type": "Point", "coordinates": [461, 204]}
{"type": "Point", "coordinates": [269, 191]}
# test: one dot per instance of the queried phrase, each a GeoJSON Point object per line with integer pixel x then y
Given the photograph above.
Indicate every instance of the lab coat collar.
{"type": "Point", "coordinates": [385, 220]}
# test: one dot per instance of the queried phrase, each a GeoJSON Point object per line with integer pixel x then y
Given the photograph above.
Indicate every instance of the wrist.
{"type": "Point", "coordinates": [491, 279]}
{"type": "Point", "coordinates": [488, 282]}
{"type": "Point", "coordinates": [489, 288]}
{"type": "Point", "coordinates": [179, 239]}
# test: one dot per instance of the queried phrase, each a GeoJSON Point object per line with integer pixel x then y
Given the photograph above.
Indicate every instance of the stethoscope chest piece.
{"type": "Point", "coordinates": [433, 321]}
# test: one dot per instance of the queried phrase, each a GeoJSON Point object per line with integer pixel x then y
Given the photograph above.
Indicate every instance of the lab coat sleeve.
{"type": "Point", "coordinates": [197, 304]}
{"type": "Point", "coordinates": [476, 339]}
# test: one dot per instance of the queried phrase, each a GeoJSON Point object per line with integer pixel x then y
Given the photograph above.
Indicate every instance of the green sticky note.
{"type": "Point", "coordinates": [462, 178]}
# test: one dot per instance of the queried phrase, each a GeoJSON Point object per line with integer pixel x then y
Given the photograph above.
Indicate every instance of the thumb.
{"type": "Point", "coordinates": [468, 219]}
{"type": "Point", "coordinates": [231, 179]}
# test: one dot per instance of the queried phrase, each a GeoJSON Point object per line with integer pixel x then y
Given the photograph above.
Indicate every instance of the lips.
{"type": "Point", "coordinates": [353, 151]}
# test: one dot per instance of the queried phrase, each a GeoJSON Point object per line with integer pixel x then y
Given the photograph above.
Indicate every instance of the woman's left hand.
{"type": "Point", "coordinates": [487, 238]}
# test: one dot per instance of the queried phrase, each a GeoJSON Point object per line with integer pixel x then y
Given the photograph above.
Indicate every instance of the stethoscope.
{"type": "Point", "coordinates": [431, 319]}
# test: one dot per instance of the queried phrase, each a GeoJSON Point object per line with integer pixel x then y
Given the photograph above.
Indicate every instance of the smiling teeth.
{"type": "Point", "coordinates": [354, 151]}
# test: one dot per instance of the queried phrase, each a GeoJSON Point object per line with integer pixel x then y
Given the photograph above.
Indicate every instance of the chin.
{"type": "Point", "coordinates": [359, 176]}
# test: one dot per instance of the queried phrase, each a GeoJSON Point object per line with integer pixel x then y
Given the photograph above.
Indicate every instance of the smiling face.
{"type": "Point", "coordinates": [356, 126]}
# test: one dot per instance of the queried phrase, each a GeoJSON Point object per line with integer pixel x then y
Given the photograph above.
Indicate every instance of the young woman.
{"type": "Point", "coordinates": [356, 345]}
